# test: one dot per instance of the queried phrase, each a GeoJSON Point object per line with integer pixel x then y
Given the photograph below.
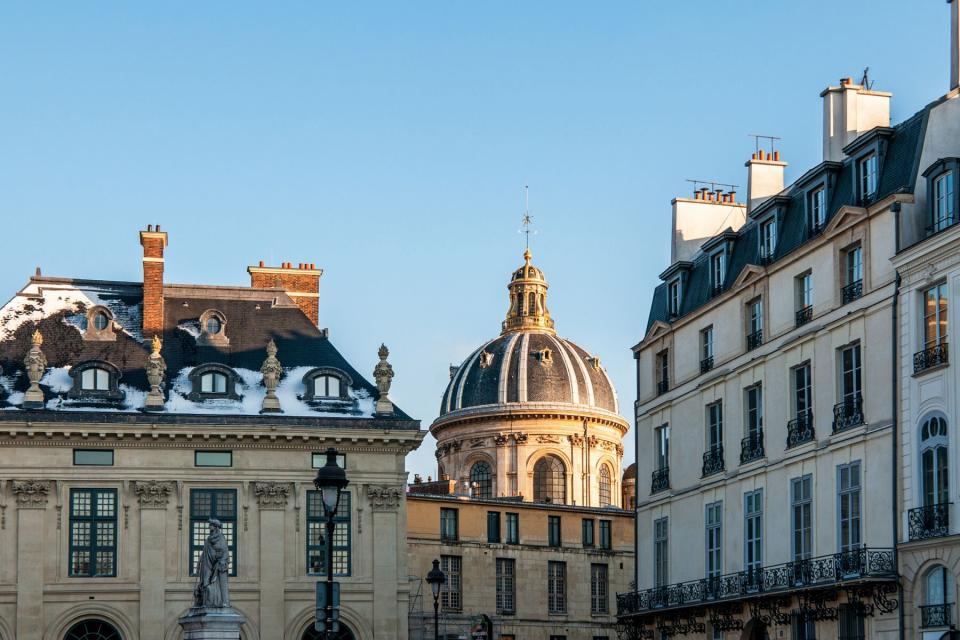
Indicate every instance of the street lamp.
{"type": "Point", "coordinates": [331, 480]}
{"type": "Point", "coordinates": [436, 578]}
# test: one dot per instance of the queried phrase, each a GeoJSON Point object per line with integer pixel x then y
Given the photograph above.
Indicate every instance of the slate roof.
{"type": "Point", "coordinates": [58, 306]}
{"type": "Point", "coordinates": [898, 173]}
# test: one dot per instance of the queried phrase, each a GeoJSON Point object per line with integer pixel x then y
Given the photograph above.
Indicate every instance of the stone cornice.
{"type": "Point", "coordinates": [530, 411]}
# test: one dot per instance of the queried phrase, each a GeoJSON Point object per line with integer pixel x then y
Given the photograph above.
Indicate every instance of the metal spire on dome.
{"type": "Point", "coordinates": [528, 295]}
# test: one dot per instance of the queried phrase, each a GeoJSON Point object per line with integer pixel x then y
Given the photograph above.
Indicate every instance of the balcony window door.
{"type": "Point", "coordinates": [718, 271]}
{"type": "Point", "coordinates": [753, 530]}
{"type": "Point", "coordinates": [802, 391]}
{"type": "Point", "coordinates": [943, 202]}
{"type": "Point", "coordinates": [935, 479]}
{"type": "Point", "coordinates": [818, 209]}
{"type": "Point", "coordinates": [714, 539]}
{"type": "Point", "coordinates": [848, 498]}
{"type": "Point", "coordinates": [801, 506]}
{"type": "Point", "coordinates": [768, 238]}
{"type": "Point", "coordinates": [715, 426]}
{"type": "Point", "coordinates": [935, 316]}
{"type": "Point", "coordinates": [854, 265]}
{"type": "Point", "coordinates": [867, 174]}
{"type": "Point", "coordinates": [661, 557]}
{"type": "Point", "coordinates": [662, 435]}
{"type": "Point", "coordinates": [850, 374]}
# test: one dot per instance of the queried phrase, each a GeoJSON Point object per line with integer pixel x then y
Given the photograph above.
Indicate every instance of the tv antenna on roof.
{"type": "Point", "coordinates": [527, 220]}
{"type": "Point", "coordinates": [758, 137]}
{"type": "Point", "coordinates": [865, 80]}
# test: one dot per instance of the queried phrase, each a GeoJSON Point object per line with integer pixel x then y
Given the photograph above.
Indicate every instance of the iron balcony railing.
{"type": "Point", "coordinates": [852, 291]}
{"type": "Point", "coordinates": [660, 480]}
{"type": "Point", "coordinates": [932, 521]}
{"type": "Point", "coordinates": [706, 364]}
{"type": "Point", "coordinates": [800, 429]}
{"type": "Point", "coordinates": [940, 224]}
{"type": "Point", "coordinates": [754, 339]}
{"type": "Point", "coordinates": [930, 357]}
{"type": "Point", "coordinates": [848, 414]}
{"type": "Point", "coordinates": [805, 315]}
{"type": "Point", "coordinates": [816, 228]}
{"type": "Point", "coordinates": [834, 570]}
{"type": "Point", "coordinates": [751, 447]}
{"type": "Point", "coordinates": [936, 615]}
{"type": "Point", "coordinates": [663, 386]}
{"type": "Point", "coordinates": [713, 461]}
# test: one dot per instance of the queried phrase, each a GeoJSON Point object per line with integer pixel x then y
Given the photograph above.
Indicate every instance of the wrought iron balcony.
{"type": "Point", "coordinates": [941, 224]}
{"type": "Point", "coordinates": [800, 429]}
{"type": "Point", "coordinates": [857, 566]}
{"type": "Point", "coordinates": [706, 364]}
{"type": "Point", "coordinates": [751, 447]}
{"type": "Point", "coordinates": [852, 291]}
{"type": "Point", "coordinates": [930, 357]}
{"type": "Point", "coordinates": [805, 315]}
{"type": "Point", "coordinates": [936, 615]}
{"type": "Point", "coordinates": [848, 414]}
{"type": "Point", "coordinates": [932, 521]}
{"type": "Point", "coordinates": [713, 461]}
{"type": "Point", "coordinates": [754, 339]}
{"type": "Point", "coordinates": [663, 386]}
{"type": "Point", "coordinates": [660, 480]}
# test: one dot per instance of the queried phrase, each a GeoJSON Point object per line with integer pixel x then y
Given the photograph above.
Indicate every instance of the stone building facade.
{"type": "Point", "coordinates": [134, 412]}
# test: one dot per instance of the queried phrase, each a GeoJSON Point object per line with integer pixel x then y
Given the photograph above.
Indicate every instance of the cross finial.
{"type": "Point", "coordinates": [527, 220]}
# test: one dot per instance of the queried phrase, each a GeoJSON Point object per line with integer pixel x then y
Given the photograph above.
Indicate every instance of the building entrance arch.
{"type": "Point", "coordinates": [92, 629]}
{"type": "Point", "coordinates": [755, 630]}
{"type": "Point", "coordinates": [312, 634]}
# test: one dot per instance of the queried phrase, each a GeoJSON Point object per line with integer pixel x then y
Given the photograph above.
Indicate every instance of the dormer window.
{"type": "Point", "coordinates": [674, 298]}
{"type": "Point", "coordinates": [942, 193]}
{"type": "Point", "coordinates": [100, 321]}
{"type": "Point", "coordinates": [486, 359]}
{"type": "Point", "coordinates": [99, 324]}
{"type": "Point", "coordinates": [817, 207]}
{"type": "Point", "coordinates": [213, 328]}
{"type": "Point", "coordinates": [867, 177]}
{"type": "Point", "coordinates": [326, 386]}
{"type": "Point", "coordinates": [95, 379]}
{"type": "Point", "coordinates": [768, 239]}
{"type": "Point", "coordinates": [212, 381]}
{"type": "Point", "coordinates": [545, 356]}
{"type": "Point", "coordinates": [718, 267]}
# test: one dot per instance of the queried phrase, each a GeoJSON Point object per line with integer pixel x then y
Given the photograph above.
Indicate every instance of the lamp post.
{"type": "Point", "coordinates": [436, 578]}
{"type": "Point", "coordinates": [331, 480]}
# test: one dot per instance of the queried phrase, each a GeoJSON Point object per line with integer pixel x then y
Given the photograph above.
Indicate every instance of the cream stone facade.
{"type": "Point", "coordinates": [133, 413]}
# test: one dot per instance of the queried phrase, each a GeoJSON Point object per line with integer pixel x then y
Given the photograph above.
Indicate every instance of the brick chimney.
{"type": "Point", "coordinates": [764, 177]}
{"type": "Point", "coordinates": [300, 282]}
{"type": "Point", "coordinates": [848, 111]}
{"type": "Point", "coordinates": [153, 241]}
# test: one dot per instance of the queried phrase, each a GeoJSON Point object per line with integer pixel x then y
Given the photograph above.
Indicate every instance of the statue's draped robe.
{"type": "Point", "coordinates": [212, 587]}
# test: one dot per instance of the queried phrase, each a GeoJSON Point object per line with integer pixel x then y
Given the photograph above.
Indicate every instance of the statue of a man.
{"type": "Point", "coordinates": [212, 589]}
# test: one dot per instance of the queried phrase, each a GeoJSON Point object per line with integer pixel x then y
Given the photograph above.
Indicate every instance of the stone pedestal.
{"type": "Point", "coordinates": [202, 623]}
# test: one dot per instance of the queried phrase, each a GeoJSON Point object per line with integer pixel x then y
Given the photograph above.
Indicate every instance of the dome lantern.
{"type": "Point", "coordinates": [528, 300]}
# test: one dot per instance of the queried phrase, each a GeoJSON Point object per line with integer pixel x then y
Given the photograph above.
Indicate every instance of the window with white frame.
{"type": "Point", "coordinates": [715, 425]}
{"type": "Point", "coordinates": [706, 344]}
{"type": "Point", "coordinates": [506, 585]}
{"type": "Point", "coordinates": [754, 411]}
{"type": "Point", "coordinates": [451, 594]}
{"type": "Point", "coordinates": [943, 202]}
{"type": "Point", "coordinates": [848, 506]}
{"type": "Point", "coordinates": [801, 517]}
{"type": "Point", "coordinates": [934, 475]}
{"type": "Point", "coordinates": [661, 552]}
{"type": "Point", "coordinates": [867, 176]}
{"type": "Point", "coordinates": [718, 270]}
{"type": "Point", "coordinates": [818, 209]}
{"type": "Point", "coordinates": [802, 390]}
{"type": "Point", "coordinates": [95, 379]}
{"type": "Point", "coordinates": [599, 589]}
{"type": "Point", "coordinates": [850, 374]}
{"type": "Point", "coordinates": [768, 238]}
{"type": "Point", "coordinates": [853, 266]}
{"type": "Point", "coordinates": [674, 298]}
{"type": "Point", "coordinates": [934, 316]}
{"type": "Point", "coordinates": [662, 446]}
{"type": "Point", "coordinates": [213, 382]}
{"type": "Point", "coordinates": [804, 289]}
{"type": "Point", "coordinates": [714, 539]}
{"type": "Point", "coordinates": [557, 587]}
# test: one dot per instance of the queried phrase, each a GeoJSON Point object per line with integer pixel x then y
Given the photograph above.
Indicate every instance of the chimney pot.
{"type": "Point", "coordinates": [158, 228]}
{"type": "Point", "coordinates": [776, 156]}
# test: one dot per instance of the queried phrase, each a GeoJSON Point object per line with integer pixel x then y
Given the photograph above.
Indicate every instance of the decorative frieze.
{"type": "Point", "coordinates": [384, 498]}
{"type": "Point", "coordinates": [272, 495]}
{"type": "Point", "coordinates": [31, 494]}
{"type": "Point", "coordinates": [153, 494]}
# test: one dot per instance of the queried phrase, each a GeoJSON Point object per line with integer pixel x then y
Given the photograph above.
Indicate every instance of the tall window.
{"type": "Point", "coordinates": [937, 587]}
{"type": "Point", "coordinates": [219, 504]}
{"type": "Point", "coordinates": [317, 532]}
{"type": "Point", "coordinates": [448, 525]}
{"type": "Point", "coordinates": [481, 480]}
{"type": "Point", "coordinates": [768, 238]}
{"type": "Point", "coordinates": [802, 390]}
{"type": "Point", "coordinates": [867, 174]}
{"type": "Point", "coordinates": [661, 552]}
{"type": "Point", "coordinates": [93, 533]}
{"type": "Point", "coordinates": [663, 371]}
{"type": "Point", "coordinates": [934, 316]}
{"type": "Point", "coordinates": [674, 298]}
{"type": "Point", "coordinates": [818, 209]}
{"type": "Point", "coordinates": [94, 379]}
{"type": "Point", "coordinates": [850, 378]}
{"type": "Point", "coordinates": [935, 480]}
{"type": "Point", "coordinates": [848, 497]}
{"type": "Point", "coordinates": [804, 288]}
{"type": "Point", "coordinates": [451, 595]}
{"type": "Point", "coordinates": [943, 213]}
{"type": "Point", "coordinates": [599, 588]}
{"type": "Point", "coordinates": [851, 625]}
{"type": "Point", "coordinates": [587, 532]}
{"type": "Point", "coordinates": [754, 322]}
{"type": "Point", "coordinates": [513, 528]}
{"type": "Point", "coordinates": [550, 480]}
{"type": "Point", "coordinates": [706, 349]}
{"type": "Point", "coordinates": [661, 436]}
{"type": "Point", "coordinates": [754, 411]}
{"type": "Point", "coordinates": [493, 526]}
{"type": "Point", "coordinates": [604, 486]}
{"type": "Point", "coordinates": [753, 529]}
{"type": "Point", "coordinates": [854, 265]}
{"type": "Point", "coordinates": [506, 585]}
{"type": "Point", "coordinates": [714, 539]}
{"type": "Point", "coordinates": [557, 587]}
{"type": "Point", "coordinates": [718, 271]}
{"type": "Point", "coordinates": [801, 515]}
{"type": "Point", "coordinates": [553, 531]}
{"type": "Point", "coordinates": [606, 538]}
{"type": "Point", "coordinates": [714, 426]}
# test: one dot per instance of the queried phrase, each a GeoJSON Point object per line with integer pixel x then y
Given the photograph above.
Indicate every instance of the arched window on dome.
{"type": "Point", "coordinates": [934, 478]}
{"type": "Point", "coordinates": [520, 304]}
{"type": "Point", "coordinates": [532, 303]}
{"type": "Point", "coordinates": [481, 479]}
{"type": "Point", "coordinates": [605, 491]}
{"type": "Point", "coordinates": [550, 480]}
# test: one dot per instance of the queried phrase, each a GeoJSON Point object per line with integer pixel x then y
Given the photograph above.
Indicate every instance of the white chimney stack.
{"type": "Point", "coordinates": [697, 219]}
{"type": "Point", "coordinates": [848, 111]}
{"type": "Point", "coordinates": [764, 178]}
{"type": "Point", "coordinates": [954, 44]}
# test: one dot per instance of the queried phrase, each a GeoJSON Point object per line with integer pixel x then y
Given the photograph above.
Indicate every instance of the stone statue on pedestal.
{"type": "Point", "coordinates": [383, 375]}
{"type": "Point", "coordinates": [213, 589]}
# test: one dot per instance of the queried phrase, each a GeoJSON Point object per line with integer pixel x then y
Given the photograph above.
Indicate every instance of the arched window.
{"type": "Point", "coordinates": [520, 304]}
{"type": "Point", "coordinates": [481, 479]}
{"type": "Point", "coordinates": [312, 634]}
{"type": "Point", "coordinates": [100, 321]}
{"type": "Point", "coordinates": [532, 303]}
{"type": "Point", "coordinates": [95, 379]}
{"type": "Point", "coordinates": [934, 481]}
{"type": "Point", "coordinates": [604, 485]}
{"type": "Point", "coordinates": [213, 382]}
{"type": "Point", "coordinates": [326, 387]}
{"type": "Point", "coordinates": [550, 480]}
{"type": "Point", "coordinates": [938, 598]}
{"type": "Point", "coordinates": [93, 630]}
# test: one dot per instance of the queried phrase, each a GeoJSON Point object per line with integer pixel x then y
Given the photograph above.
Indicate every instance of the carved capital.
{"type": "Point", "coordinates": [384, 498]}
{"type": "Point", "coordinates": [576, 440]}
{"type": "Point", "coordinates": [272, 495]}
{"type": "Point", "coordinates": [31, 494]}
{"type": "Point", "coordinates": [153, 494]}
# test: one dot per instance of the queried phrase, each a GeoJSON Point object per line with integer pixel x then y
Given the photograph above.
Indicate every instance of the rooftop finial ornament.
{"type": "Point", "coordinates": [271, 370]}
{"type": "Point", "coordinates": [35, 364]}
{"type": "Point", "coordinates": [527, 220]}
{"type": "Point", "coordinates": [383, 374]}
{"type": "Point", "coordinates": [156, 368]}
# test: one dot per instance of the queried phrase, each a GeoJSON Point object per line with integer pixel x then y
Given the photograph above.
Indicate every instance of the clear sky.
{"type": "Point", "coordinates": [390, 142]}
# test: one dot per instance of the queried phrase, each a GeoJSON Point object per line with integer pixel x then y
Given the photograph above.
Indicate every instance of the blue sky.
{"type": "Point", "coordinates": [390, 142]}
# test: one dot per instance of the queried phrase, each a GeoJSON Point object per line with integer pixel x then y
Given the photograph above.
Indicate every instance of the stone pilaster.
{"type": "Point", "coordinates": [31, 497]}
{"type": "Point", "coordinates": [272, 501]}
{"type": "Point", "coordinates": [153, 497]}
{"type": "Point", "coordinates": [387, 530]}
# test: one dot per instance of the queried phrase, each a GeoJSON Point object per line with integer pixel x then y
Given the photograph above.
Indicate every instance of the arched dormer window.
{"type": "Point", "coordinates": [934, 476]}
{"type": "Point", "coordinates": [95, 379]}
{"type": "Point", "coordinates": [213, 328]}
{"type": "Point", "coordinates": [213, 380]}
{"type": "Point", "coordinates": [326, 384]}
{"type": "Point", "coordinates": [481, 480]}
{"type": "Point", "coordinates": [550, 480]}
{"type": "Point", "coordinates": [99, 324]}
{"type": "Point", "coordinates": [604, 485]}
